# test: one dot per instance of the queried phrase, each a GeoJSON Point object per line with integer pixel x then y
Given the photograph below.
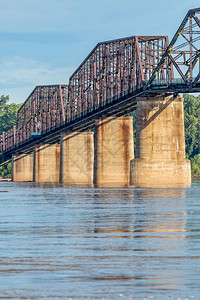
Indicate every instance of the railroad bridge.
{"type": "Point", "coordinates": [82, 132]}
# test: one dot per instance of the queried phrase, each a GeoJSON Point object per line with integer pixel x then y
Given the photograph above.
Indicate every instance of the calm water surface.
{"type": "Point", "coordinates": [99, 243]}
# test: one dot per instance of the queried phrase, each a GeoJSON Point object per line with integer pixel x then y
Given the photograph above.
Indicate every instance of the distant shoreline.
{"type": "Point", "coordinates": [5, 179]}
{"type": "Point", "coordinates": [195, 178]}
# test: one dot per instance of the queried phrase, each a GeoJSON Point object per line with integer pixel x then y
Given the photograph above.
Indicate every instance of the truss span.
{"type": "Point", "coordinates": [108, 82]}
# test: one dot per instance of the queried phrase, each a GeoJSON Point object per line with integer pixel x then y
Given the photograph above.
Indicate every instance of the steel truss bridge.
{"type": "Point", "coordinates": [107, 83]}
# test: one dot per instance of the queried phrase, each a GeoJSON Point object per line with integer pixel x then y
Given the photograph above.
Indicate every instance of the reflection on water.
{"type": "Point", "coordinates": [99, 243]}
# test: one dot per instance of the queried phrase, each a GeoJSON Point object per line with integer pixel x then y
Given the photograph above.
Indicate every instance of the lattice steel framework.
{"type": "Point", "coordinates": [42, 112]}
{"type": "Point", "coordinates": [112, 69]}
{"type": "Point", "coordinates": [184, 54]}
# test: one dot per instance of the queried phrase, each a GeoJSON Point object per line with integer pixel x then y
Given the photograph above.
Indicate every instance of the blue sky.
{"type": "Point", "coordinates": [44, 41]}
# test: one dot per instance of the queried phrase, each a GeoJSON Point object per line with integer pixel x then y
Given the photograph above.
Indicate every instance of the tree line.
{"type": "Point", "coordinates": [192, 132]}
{"type": "Point", "coordinates": [8, 118]}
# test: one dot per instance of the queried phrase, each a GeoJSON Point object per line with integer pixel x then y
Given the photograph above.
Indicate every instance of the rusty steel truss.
{"type": "Point", "coordinates": [183, 53]}
{"type": "Point", "coordinates": [112, 69]}
{"type": "Point", "coordinates": [108, 82]}
{"type": "Point", "coordinates": [43, 111]}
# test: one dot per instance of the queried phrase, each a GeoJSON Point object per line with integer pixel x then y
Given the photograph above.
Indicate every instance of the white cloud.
{"type": "Point", "coordinates": [18, 75]}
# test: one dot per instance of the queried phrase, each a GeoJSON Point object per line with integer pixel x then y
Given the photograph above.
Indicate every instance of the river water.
{"type": "Point", "coordinates": [99, 243]}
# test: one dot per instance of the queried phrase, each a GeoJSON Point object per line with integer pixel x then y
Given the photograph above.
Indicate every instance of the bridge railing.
{"type": "Point", "coordinates": [171, 82]}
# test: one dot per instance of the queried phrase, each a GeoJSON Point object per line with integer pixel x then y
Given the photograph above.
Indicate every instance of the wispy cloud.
{"type": "Point", "coordinates": [26, 73]}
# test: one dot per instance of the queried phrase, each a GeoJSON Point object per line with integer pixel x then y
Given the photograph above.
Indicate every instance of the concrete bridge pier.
{"type": "Point", "coordinates": [46, 163]}
{"type": "Point", "coordinates": [22, 167]}
{"type": "Point", "coordinates": [77, 158]}
{"type": "Point", "coordinates": [160, 144]}
{"type": "Point", "coordinates": [113, 151]}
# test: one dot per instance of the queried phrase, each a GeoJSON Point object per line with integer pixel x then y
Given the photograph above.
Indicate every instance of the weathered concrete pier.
{"type": "Point", "coordinates": [22, 167]}
{"type": "Point", "coordinates": [46, 163]}
{"type": "Point", "coordinates": [77, 158]}
{"type": "Point", "coordinates": [106, 157]}
{"type": "Point", "coordinates": [160, 144]}
{"type": "Point", "coordinates": [114, 151]}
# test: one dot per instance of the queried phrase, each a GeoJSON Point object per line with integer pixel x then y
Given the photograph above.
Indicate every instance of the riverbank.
{"type": "Point", "coordinates": [5, 179]}
{"type": "Point", "coordinates": [195, 178]}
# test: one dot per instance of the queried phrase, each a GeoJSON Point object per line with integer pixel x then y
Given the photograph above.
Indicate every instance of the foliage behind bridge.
{"type": "Point", "coordinates": [8, 118]}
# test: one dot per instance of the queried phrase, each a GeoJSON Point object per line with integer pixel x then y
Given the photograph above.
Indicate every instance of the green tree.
{"type": "Point", "coordinates": [8, 116]}
{"type": "Point", "coordinates": [1, 158]}
{"type": "Point", "coordinates": [192, 124]}
{"type": "Point", "coordinates": [192, 132]}
{"type": "Point", "coordinates": [3, 101]}
{"type": "Point", "coordinates": [195, 166]}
